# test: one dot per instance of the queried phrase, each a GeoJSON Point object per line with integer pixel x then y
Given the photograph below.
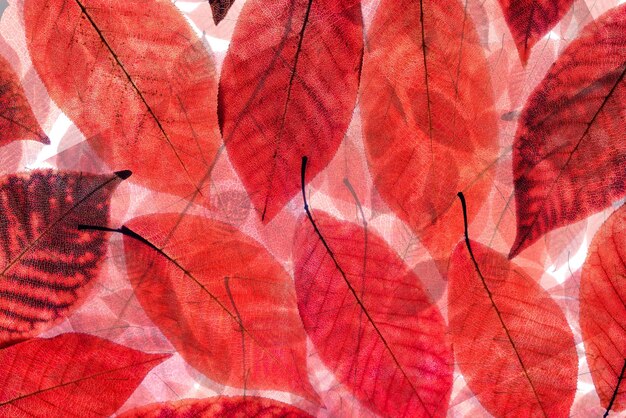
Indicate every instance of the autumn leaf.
{"type": "Point", "coordinates": [136, 81]}
{"type": "Point", "coordinates": [17, 121]}
{"type": "Point", "coordinates": [70, 375]}
{"type": "Point", "coordinates": [369, 319]}
{"type": "Point", "coordinates": [220, 8]}
{"type": "Point", "coordinates": [511, 340]}
{"type": "Point", "coordinates": [429, 120]}
{"type": "Point", "coordinates": [288, 89]}
{"type": "Point", "coordinates": [530, 20]}
{"type": "Point", "coordinates": [48, 265]}
{"type": "Point", "coordinates": [602, 310]}
{"type": "Point", "coordinates": [222, 300]}
{"type": "Point", "coordinates": [570, 148]}
{"type": "Point", "coordinates": [218, 407]}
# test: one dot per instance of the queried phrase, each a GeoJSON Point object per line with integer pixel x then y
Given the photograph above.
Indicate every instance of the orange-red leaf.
{"type": "Point", "coordinates": [511, 340]}
{"type": "Point", "coordinates": [47, 264]}
{"type": "Point", "coordinates": [70, 375]}
{"type": "Point", "coordinates": [288, 89]}
{"type": "Point", "coordinates": [530, 20]}
{"type": "Point", "coordinates": [17, 120]}
{"type": "Point", "coordinates": [570, 148]}
{"type": "Point", "coordinates": [428, 113]}
{"type": "Point", "coordinates": [218, 407]}
{"type": "Point", "coordinates": [602, 309]}
{"type": "Point", "coordinates": [222, 300]}
{"type": "Point", "coordinates": [370, 320]}
{"type": "Point", "coordinates": [137, 82]}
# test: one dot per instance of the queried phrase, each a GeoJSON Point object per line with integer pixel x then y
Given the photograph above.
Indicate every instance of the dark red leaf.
{"type": "Point", "coordinates": [70, 375]}
{"type": "Point", "coordinates": [288, 89]}
{"type": "Point", "coordinates": [220, 9]}
{"type": "Point", "coordinates": [48, 265]}
{"type": "Point", "coordinates": [136, 81]}
{"type": "Point", "coordinates": [218, 407]}
{"type": "Point", "coordinates": [602, 309]}
{"type": "Point", "coordinates": [429, 120]}
{"type": "Point", "coordinates": [570, 148]}
{"type": "Point", "coordinates": [222, 300]}
{"type": "Point", "coordinates": [370, 320]}
{"type": "Point", "coordinates": [530, 20]}
{"type": "Point", "coordinates": [511, 340]}
{"type": "Point", "coordinates": [17, 120]}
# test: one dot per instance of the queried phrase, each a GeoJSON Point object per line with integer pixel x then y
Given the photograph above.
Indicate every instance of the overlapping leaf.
{"type": "Point", "coordinates": [370, 320]}
{"type": "Point", "coordinates": [136, 81]}
{"type": "Point", "coordinates": [220, 8]}
{"type": "Point", "coordinates": [570, 146]}
{"type": "Point", "coordinates": [17, 120]}
{"type": "Point", "coordinates": [47, 264]}
{"type": "Point", "coordinates": [70, 375]}
{"type": "Point", "coordinates": [603, 312]}
{"type": "Point", "coordinates": [429, 121]}
{"type": "Point", "coordinates": [218, 407]}
{"type": "Point", "coordinates": [511, 340]}
{"type": "Point", "coordinates": [226, 305]}
{"type": "Point", "coordinates": [530, 20]}
{"type": "Point", "coordinates": [288, 89]}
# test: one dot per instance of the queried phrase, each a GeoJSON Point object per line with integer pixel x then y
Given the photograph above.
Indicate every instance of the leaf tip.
{"type": "Point", "coordinates": [124, 174]}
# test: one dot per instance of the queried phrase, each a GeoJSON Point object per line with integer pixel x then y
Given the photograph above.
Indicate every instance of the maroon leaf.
{"type": "Point", "coordinates": [602, 310]}
{"type": "Point", "coordinates": [288, 89]}
{"type": "Point", "coordinates": [370, 320]}
{"type": "Point", "coordinates": [70, 375]}
{"type": "Point", "coordinates": [530, 20]}
{"type": "Point", "coordinates": [220, 8]}
{"type": "Point", "coordinates": [17, 120]}
{"type": "Point", "coordinates": [138, 83]}
{"type": "Point", "coordinates": [48, 265]}
{"type": "Point", "coordinates": [218, 407]}
{"type": "Point", "coordinates": [570, 148]}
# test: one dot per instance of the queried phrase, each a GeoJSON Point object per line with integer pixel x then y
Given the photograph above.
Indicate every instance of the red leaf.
{"type": "Point", "coordinates": [48, 265]}
{"type": "Point", "coordinates": [429, 121]}
{"type": "Point", "coordinates": [226, 305]}
{"type": "Point", "coordinates": [370, 320]}
{"type": "Point", "coordinates": [17, 120]}
{"type": "Point", "coordinates": [137, 82]}
{"type": "Point", "coordinates": [530, 20]}
{"type": "Point", "coordinates": [70, 375]}
{"type": "Point", "coordinates": [220, 9]}
{"type": "Point", "coordinates": [511, 340]}
{"type": "Point", "coordinates": [288, 89]}
{"type": "Point", "coordinates": [218, 407]}
{"type": "Point", "coordinates": [570, 149]}
{"type": "Point", "coordinates": [602, 309]}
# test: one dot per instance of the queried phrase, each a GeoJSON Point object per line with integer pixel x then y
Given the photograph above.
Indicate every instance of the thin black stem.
{"type": "Point", "coordinates": [619, 381]}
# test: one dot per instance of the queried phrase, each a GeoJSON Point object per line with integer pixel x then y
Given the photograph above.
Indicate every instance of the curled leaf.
{"type": "Point", "coordinates": [570, 148]}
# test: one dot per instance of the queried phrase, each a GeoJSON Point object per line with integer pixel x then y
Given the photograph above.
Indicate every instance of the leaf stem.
{"type": "Point", "coordinates": [619, 381]}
